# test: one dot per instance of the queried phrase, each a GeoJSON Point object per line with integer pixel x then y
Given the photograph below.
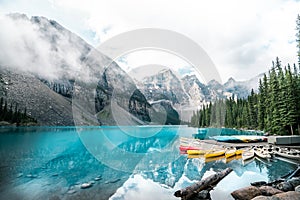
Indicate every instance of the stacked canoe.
{"type": "Point", "coordinates": [239, 138]}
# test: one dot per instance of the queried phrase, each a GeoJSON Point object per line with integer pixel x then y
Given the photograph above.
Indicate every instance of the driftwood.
{"type": "Point", "coordinates": [207, 183]}
{"type": "Point", "coordinates": [295, 173]}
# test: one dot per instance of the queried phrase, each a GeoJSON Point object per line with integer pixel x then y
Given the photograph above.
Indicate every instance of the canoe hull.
{"type": "Point", "coordinates": [212, 154]}
{"type": "Point", "coordinates": [247, 155]}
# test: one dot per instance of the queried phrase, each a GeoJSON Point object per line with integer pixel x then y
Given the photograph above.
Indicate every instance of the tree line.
{"type": "Point", "coordinates": [275, 108]}
{"type": "Point", "coordinates": [13, 114]}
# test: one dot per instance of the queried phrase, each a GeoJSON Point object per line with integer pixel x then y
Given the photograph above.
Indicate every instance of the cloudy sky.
{"type": "Point", "coordinates": [241, 37]}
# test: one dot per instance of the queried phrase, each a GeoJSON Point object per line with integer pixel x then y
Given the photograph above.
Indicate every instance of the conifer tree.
{"type": "Point", "coordinates": [261, 105]}
{"type": "Point", "coordinates": [298, 38]}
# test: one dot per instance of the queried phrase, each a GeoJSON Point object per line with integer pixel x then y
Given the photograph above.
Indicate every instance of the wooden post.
{"type": "Point", "coordinates": [206, 183]}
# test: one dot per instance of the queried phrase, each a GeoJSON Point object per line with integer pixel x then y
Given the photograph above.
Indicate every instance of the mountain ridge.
{"type": "Point", "coordinates": [45, 81]}
{"type": "Point", "coordinates": [52, 58]}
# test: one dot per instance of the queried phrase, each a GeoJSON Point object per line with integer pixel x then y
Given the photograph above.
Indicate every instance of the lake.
{"type": "Point", "coordinates": [119, 162]}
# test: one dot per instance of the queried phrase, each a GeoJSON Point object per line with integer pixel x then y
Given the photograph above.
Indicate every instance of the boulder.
{"type": "Point", "coordinates": [285, 186]}
{"type": "Point", "coordinates": [297, 189]}
{"type": "Point", "coordinates": [246, 193]}
{"type": "Point", "coordinates": [294, 181]}
{"type": "Point", "coordinates": [203, 195]}
{"type": "Point", "coordinates": [259, 183]}
{"type": "Point", "coordinates": [269, 191]}
{"type": "Point", "coordinates": [291, 195]}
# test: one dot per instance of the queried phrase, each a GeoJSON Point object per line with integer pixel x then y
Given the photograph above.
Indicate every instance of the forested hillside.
{"type": "Point", "coordinates": [12, 114]}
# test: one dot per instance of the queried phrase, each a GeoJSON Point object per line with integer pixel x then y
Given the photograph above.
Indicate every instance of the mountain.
{"type": "Point", "coordinates": [164, 85]}
{"type": "Point", "coordinates": [60, 79]}
{"type": "Point", "coordinates": [189, 94]}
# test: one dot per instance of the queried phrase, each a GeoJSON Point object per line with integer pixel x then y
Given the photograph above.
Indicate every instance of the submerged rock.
{"type": "Point", "coordinates": [246, 193]}
{"type": "Point", "coordinates": [71, 191]}
{"type": "Point", "coordinates": [85, 185]}
{"type": "Point", "coordinates": [114, 181]}
{"type": "Point", "coordinates": [31, 176]}
{"type": "Point", "coordinates": [97, 178]}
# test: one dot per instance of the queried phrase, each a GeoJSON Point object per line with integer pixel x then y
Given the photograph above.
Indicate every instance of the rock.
{"type": "Point", "coordinates": [261, 198]}
{"type": "Point", "coordinates": [92, 182]}
{"type": "Point", "coordinates": [291, 195]}
{"type": "Point", "coordinates": [269, 191]}
{"type": "Point", "coordinates": [97, 179]}
{"type": "Point", "coordinates": [285, 186]}
{"type": "Point", "coordinates": [203, 195]}
{"type": "Point", "coordinates": [71, 191]}
{"type": "Point", "coordinates": [297, 189]}
{"type": "Point", "coordinates": [294, 181]}
{"type": "Point", "coordinates": [19, 175]}
{"type": "Point", "coordinates": [85, 185]}
{"type": "Point", "coordinates": [259, 183]}
{"type": "Point", "coordinates": [246, 193]}
{"type": "Point", "coordinates": [114, 181]}
{"type": "Point", "coordinates": [29, 176]}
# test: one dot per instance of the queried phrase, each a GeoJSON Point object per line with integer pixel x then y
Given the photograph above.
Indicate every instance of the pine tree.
{"type": "Point", "coordinates": [252, 101]}
{"type": "Point", "coordinates": [261, 104]}
{"type": "Point", "coordinates": [291, 100]}
{"type": "Point", "coordinates": [297, 96]}
{"type": "Point", "coordinates": [274, 111]}
{"type": "Point", "coordinates": [298, 38]}
{"type": "Point", "coordinates": [1, 109]}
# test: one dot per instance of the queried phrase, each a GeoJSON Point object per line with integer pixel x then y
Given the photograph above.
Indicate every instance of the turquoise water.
{"type": "Point", "coordinates": [127, 162]}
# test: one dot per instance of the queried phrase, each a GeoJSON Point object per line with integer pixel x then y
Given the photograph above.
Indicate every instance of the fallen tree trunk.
{"type": "Point", "coordinates": [208, 182]}
{"type": "Point", "coordinates": [295, 173]}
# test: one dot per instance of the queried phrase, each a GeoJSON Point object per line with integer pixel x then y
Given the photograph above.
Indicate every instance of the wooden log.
{"type": "Point", "coordinates": [295, 173]}
{"type": "Point", "coordinates": [208, 182]}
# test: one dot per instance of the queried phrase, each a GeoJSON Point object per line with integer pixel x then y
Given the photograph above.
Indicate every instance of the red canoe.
{"type": "Point", "coordinates": [185, 148]}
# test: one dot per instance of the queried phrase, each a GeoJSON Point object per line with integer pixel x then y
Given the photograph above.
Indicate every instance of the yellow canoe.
{"type": "Point", "coordinates": [214, 153]}
{"type": "Point", "coordinates": [196, 152]}
{"type": "Point", "coordinates": [239, 152]}
{"type": "Point", "coordinates": [236, 157]}
{"type": "Point", "coordinates": [230, 152]}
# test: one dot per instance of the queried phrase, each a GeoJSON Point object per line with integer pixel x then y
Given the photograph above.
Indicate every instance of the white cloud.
{"type": "Point", "coordinates": [241, 37]}
{"type": "Point", "coordinates": [48, 53]}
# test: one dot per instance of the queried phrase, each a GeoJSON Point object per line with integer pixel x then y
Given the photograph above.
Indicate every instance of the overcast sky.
{"type": "Point", "coordinates": [241, 37]}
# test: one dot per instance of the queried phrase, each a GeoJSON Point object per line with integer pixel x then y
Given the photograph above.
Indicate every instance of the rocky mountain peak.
{"type": "Point", "coordinates": [231, 80]}
{"type": "Point", "coordinates": [214, 83]}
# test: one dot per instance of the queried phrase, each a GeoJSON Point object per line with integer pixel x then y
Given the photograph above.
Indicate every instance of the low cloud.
{"type": "Point", "coordinates": [39, 46]}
